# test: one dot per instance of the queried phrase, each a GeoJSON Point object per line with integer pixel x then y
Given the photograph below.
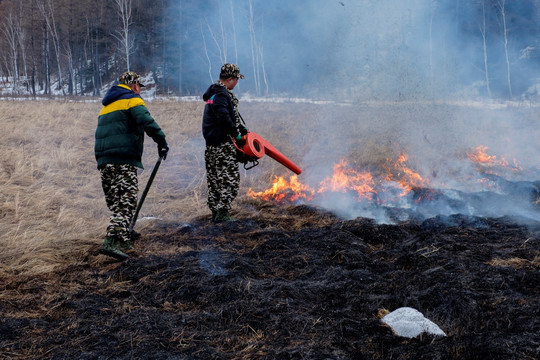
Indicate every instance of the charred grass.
{"type": "Point", "coordinates": [281, 282]}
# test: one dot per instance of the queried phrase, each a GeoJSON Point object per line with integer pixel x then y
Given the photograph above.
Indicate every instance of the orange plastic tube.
{"type": "Point", "coordinates": [256, 146]}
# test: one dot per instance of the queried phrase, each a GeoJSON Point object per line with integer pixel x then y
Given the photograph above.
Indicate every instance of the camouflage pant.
{"type": "Point", "coordinates": [120, 185]}
{"type": "Point", "coordinates": [222, 175]}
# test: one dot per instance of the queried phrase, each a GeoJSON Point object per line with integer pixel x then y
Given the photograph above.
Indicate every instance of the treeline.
{"type": "Point", "coordinates": [73, 47]}
{"type": "Point", "coordinates": [362, 48]}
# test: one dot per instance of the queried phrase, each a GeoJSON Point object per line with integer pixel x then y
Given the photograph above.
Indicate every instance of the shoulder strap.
{"type": "Point", "coordinates": [241, 119]}
{"type": "Point", "coordinates": [211, 100]}
{"type": "Point", "coordinates": [210, 103]}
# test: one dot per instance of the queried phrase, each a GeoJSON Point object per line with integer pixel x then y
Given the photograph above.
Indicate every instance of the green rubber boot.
{"type": "Point", "coordinates": [125, 246]}
{"type": "Point", "coordinates": [109, 248]}
{"type": "Point", "coordinates": [223, 215]}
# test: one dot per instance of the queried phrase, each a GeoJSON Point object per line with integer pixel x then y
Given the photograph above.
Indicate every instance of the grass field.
{"type": "Point", "coordinates": [285, 280]}
{"type": "Point", "coordinates": [52, 208]}
{"type": "Point", "coordinates": [51, 203]}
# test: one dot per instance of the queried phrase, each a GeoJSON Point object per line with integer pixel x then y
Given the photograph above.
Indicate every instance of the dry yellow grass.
{"type": "Point", "coordinates": [50, 201]}
{"type": "Point", "coordinates": [517, 263]}
{"type": "Point", "coordinates": [52, 208]}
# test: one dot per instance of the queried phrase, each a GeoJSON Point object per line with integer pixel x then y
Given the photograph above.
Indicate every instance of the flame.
{"type": "Point", "coordinates": [479, 155]}
{"type": "Point", "coordinates": [490, 164]}
{"type": "Point", "coordinates": [345, 179]}
{"type": "Point", "coordinates": [281, 188]}
{"type": "Point", "coordinates": [391, 181]}
{"type": "Point", "coordinates": [406, 177]}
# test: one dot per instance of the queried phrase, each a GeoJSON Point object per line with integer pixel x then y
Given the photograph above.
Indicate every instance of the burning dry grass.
{"type": "Point", "coordinates": [52, 206]}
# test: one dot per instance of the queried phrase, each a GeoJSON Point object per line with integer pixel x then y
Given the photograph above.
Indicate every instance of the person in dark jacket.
{"type": "Point", "coordinates": [221, 123]}
{"type": "Point", "coordinates": [119, 140]}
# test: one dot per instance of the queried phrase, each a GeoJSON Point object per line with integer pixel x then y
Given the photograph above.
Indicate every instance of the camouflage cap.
{"type": "Point", "coordinates": [130, 78]}
{"type": "Point", "coordinates": [230, 70]}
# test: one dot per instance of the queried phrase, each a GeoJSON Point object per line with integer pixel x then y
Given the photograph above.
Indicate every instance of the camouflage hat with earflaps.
{"type": "Point", "coordinates": [230, 70]}
{"type": "Point", "coordinates": [130, 78]}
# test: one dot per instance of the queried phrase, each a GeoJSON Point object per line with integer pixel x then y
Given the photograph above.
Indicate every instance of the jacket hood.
{"type": "Point", "coordinates": [118, 92]}
{"type": "Point", "coordinates": [213, 89]}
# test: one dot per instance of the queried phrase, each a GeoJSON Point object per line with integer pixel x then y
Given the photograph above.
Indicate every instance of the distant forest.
{"type": "Point", "coordinates": [361, 49]}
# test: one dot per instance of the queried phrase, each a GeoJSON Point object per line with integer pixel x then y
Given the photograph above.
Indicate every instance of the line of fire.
{"type": "Point", "coordinates": [393, 183]}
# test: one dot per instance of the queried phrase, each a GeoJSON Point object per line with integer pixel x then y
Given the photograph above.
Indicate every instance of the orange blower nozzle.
{"type": "Point", "coordinates": [256, 146]}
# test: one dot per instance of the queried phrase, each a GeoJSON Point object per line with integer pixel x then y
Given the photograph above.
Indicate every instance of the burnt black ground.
{"type": "Point", "coordinates": [286, 282]}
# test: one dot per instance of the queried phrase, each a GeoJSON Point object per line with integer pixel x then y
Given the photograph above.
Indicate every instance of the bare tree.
{"type": "Point", "coordinates": [45, 52]}
{"type": "Point", "coordinates": [263, 70]}
{"type": "Point", "coordinates": [253, 42]}
{"type": "Point", "coordinates": [220, 37]}
{"type": "Point", "coordinates": [94, 37]}
{"type": "Point", "coordinates": [502, 10]}
{"type": "Point", "coordinates": [22, 37]}
{"type": "Point", "coordinates": [72, 86]}
{"type": "Point", "coordinates": [5, 61]}
{"type": "Point", "coordinates": [74, 41]}
{"type": "Point", "coordinates": [34, 34]}
{"type": "Point", "coordinates": [206, 54]}
{"type": "Point", "coordinates": [127, 43]}
{"type": "Point", "coordinates": [46, 8]}
{"type": "Point", "coordinates": [221, 42]}
{"type": "Point", "coordinates": [256, 53]}
{"type": "Point", "coordinates": [483, 31]}
{"type": "Point", "coordinates": [234, 32]}
{"type": "Point", "coordinates": [68, 51]}
{"type": "Point", "coordinates": [9, 29]}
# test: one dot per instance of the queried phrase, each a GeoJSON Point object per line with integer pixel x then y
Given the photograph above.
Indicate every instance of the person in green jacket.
{"type": "Point", "coordinates": [119, 140]}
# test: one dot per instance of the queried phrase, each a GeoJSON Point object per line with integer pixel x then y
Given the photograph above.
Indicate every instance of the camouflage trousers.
{"type": "Point", "coordinates": [222, 175]}
{"type": "Point", "coordinates": [120, 185]}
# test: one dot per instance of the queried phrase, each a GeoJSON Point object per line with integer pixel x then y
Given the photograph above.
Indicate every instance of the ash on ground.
{"type": "Point", "coordinates": [286, 282]}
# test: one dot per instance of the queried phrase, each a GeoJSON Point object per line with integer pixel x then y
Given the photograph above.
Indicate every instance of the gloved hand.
{"type": "Point", "coordinates": [243, 130]}
{"type": "Point", "coordinates": [163, 151]}
{"type": "Point", "coordinates": [240, 142]}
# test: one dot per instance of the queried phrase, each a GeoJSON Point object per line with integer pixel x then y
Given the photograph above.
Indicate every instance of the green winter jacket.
{"type": "Point", "coordinates": [121, 126]}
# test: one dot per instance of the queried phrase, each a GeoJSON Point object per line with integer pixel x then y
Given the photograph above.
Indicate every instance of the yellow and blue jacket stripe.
{"type": "Point", "coordinates": [122, 123]}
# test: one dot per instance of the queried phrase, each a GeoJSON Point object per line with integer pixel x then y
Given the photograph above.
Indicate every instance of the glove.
{"type": "Point", "coordinates": [240, 142]}
{"type": "Point", "coordinates": [243, 130]}
{"type": "Point", "coordinates": [163, 151]}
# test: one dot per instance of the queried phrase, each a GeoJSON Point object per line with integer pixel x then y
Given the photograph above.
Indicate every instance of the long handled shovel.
{"type": "Point", "coordinates": [143, 195]}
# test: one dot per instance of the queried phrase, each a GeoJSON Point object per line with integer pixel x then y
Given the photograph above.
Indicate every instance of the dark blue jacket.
{"type": "Point", "coordinates": [218, 125]}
